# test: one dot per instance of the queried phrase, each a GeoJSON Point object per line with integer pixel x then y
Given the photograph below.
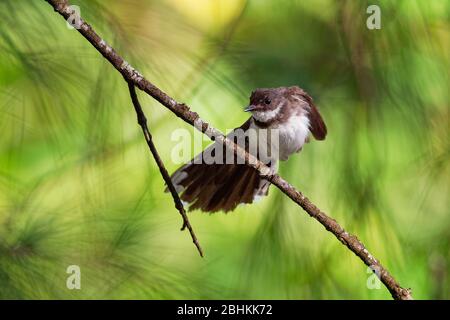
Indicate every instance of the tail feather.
{"type": "Point", "coordinates": [219, 187]}
{"type": "Point", "coordinates": [214, 187]}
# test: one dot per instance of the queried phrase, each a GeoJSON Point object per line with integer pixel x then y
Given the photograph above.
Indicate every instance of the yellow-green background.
{"type": "Point", "coordinates": [78, 186]}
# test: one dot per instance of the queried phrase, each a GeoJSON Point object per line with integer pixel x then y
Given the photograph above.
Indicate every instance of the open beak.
{"type": "Point", "coordinates": [250, 108]}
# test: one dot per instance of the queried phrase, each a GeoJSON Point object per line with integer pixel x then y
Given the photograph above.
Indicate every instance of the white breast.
{"type": "Point", "coordinates": [293, 135]}
{"type": "Point", "coordinates": [290, 137]}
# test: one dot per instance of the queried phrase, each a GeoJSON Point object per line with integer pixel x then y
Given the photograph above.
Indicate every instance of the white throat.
{"type": "Point", "coordinates": [267, 116]}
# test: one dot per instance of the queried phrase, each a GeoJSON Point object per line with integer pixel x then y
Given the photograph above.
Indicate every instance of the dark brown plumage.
{"type": "Point", "coordinates": [222, 187]}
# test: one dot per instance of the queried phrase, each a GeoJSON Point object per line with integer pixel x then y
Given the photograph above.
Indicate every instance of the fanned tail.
{"type": "Point", "coordinates": [218, 187]}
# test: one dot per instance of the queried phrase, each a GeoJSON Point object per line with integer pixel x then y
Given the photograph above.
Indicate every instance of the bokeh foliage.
{"type": "Point", "coordinates": [78, 186]}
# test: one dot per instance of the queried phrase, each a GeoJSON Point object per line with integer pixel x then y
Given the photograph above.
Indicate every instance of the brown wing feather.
{"type": "Point", "coordinates": [317, 125]}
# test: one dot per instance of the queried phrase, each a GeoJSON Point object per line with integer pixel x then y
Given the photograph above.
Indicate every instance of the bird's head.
{"type": "Point", "coordinates": [267, 103]}
{"type": "Point", "coordinates": [271, 104]}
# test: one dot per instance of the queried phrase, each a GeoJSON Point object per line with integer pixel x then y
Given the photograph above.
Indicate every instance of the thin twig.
{"type": "Point", "coordinates": [183, 112]}
{"type": "Point", "coordinates": [142, 121]}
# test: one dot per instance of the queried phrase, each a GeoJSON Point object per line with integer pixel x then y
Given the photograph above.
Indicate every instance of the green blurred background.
{"type": "Point", "coordinates": [78, 186]}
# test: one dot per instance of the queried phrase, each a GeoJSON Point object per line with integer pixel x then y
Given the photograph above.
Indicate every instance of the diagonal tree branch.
{"type": "Point", "coordinates": [142, 121]}
{"type": "Point", "coordinates": [183, 112]}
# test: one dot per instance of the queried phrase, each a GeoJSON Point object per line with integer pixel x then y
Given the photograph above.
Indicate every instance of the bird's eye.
{"type": "Point", "coordinates": [267, 101]}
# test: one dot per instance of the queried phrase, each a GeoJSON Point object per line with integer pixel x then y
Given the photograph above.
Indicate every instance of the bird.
{"type": "Point", "coordinates": [282, 120]}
